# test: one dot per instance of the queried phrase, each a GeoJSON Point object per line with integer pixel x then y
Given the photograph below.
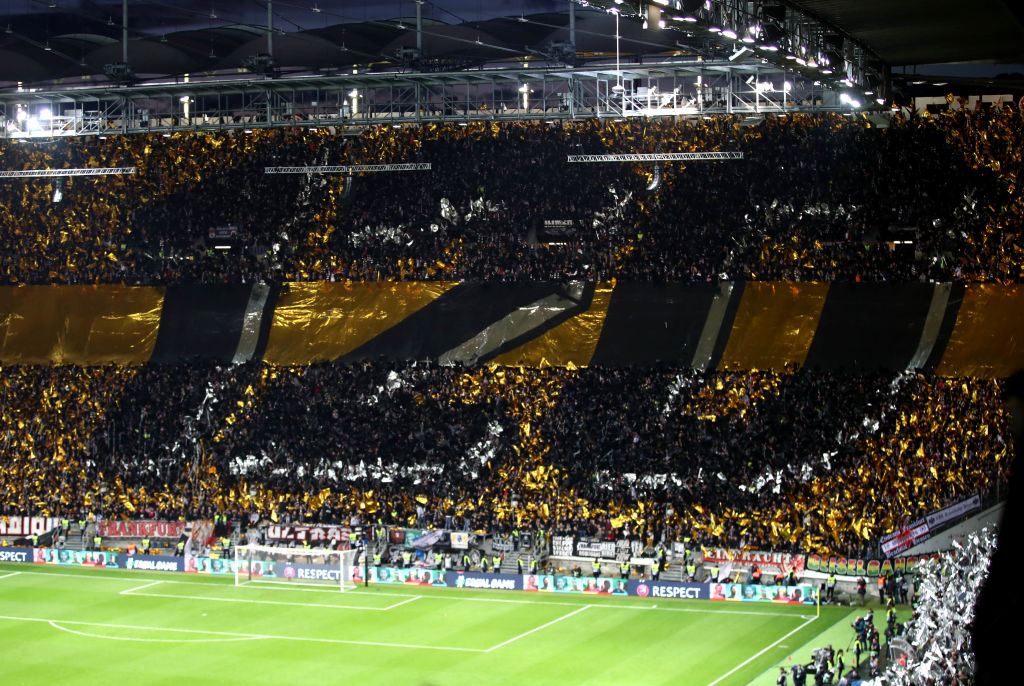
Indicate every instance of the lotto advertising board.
{"type": "Point", "coordinates": [754, 593]}
{"type": "Point", "coordinates": [265, 569]}
{"type": "Point", "coordinates": [550, 583]}
{"type": "Point", "coordinates": [88, 558]}
{"type": "Point", "coordinates": [75, 558]}
{"type": "Point", "coordinates": [411, 576]}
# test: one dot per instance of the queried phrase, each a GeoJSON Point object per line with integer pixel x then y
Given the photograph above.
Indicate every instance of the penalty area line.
{"type": "Point", "coordinates": [535, 629]}
{"type": "Point", "coordinates": [760, 653]}
{"type": "Point", "coordinates": [239, 635]}
{"type": "Point", "coordinates": [4, 576]}
{"type": "Point", "coordinates": [87, 634]}
{"type": "Point", "coordinates": [399, 604]}
{"type": "Point", "coordinates": [255, 601]}
{"type": "Point", "coordinates": [139, 588]}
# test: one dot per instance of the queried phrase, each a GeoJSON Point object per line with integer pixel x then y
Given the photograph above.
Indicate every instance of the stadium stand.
{"type": "Point", "coordinates": [784, 461]}
{"type": "Point", "coordinates": [822, 198]}
{"type": "Point", "coordinates": [152, 409]}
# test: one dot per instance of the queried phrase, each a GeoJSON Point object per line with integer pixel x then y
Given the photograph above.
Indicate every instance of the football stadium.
{"type": "Point", "coordinates": [552, 342]}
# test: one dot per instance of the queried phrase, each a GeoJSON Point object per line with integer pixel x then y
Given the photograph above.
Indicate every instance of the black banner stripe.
{"type": "Point", "coordinates": [267, 322]}
{"type": "Point", "coordinates": [727, 322]}
{"type": "Point", "coordinates": [866, 327]}
{"type": "Point", "coordinates": [652, 322]}
{"type": "Point", "coordinates": [956, 298]}
{"type": "Point", "coordinates": [454, 318]}
{"type": "Point", "coordinates": [201, 322]}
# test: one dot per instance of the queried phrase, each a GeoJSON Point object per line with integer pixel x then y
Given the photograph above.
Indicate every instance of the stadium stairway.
{"type": "Point", "coordinates": [75, 540]}
{"type": "Point", "coordinates": [674, 572]}
{"type": "Point", "coordinates": [509, 566]}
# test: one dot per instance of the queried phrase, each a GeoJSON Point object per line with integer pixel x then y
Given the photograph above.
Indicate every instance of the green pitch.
{"type": "Point", "coordinates": [87, 626]}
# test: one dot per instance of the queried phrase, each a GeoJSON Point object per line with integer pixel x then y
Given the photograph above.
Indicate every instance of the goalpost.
{"type": "Point", "coordinates": [295, 566]}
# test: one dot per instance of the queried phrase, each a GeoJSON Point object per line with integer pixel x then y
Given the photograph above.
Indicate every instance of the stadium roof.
{"type": "Point", "coordinates": [46, 40]}
{"type": "Point", "coordinates": [914, 32]}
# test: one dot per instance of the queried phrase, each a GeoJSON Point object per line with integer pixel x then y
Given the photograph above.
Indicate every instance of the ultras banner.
{"type": "Point", "coordinates": [140, 529]}
{"type": "Point", "coordinates": [841, 566]}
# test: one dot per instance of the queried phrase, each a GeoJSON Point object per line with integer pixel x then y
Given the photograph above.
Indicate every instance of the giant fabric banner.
{"type": "Point", "coordinates": [730, 325]}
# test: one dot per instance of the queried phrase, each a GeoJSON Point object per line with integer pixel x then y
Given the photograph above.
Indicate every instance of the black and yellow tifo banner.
{"type": "Point", "coordinates": [954, 329]}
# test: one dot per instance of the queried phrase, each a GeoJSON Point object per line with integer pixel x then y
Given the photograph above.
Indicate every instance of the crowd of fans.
{"type": "Point", "coordinates": [802, 460]}
{"type": "Point", "coordinates": [820, 197]}
{"type": "Point", "coordinates": [936, 646]}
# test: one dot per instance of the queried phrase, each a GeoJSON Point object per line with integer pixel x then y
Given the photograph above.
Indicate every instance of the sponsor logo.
{"type": "Point", "coordinates": [675, 592]}
{"type": "Point", "coordinates": [289, 572]}
{"type": "Point", "coordinates": [153, 565]}
{"type": "Point", "coordinates": [642, 590]}
{"type": "Point", "coordinates": [473, 582]}
{"type": "Point", "coordinates": [8, 556]}
{"type": "Point", "coordinates": [316, 574]}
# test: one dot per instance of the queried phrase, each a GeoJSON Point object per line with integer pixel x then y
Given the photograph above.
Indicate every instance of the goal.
{"type": "Point", "coordinates": [295, 566]}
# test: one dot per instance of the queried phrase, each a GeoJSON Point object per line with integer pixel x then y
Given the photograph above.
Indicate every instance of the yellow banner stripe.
{"type": "Point", "coordinates": [84, 325]}
{"type": "Point", "coordinates": [324, 320]}
{"type": "Point", "coordinates": [774, 325]}
{"type": "Point", "coordinates": [570, 343]}
{"type": "Point", "coordinates": [988, 337]}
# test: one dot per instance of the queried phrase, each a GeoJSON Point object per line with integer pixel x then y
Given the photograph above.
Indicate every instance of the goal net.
{"type": "Point", "coordinates": [294, 566]}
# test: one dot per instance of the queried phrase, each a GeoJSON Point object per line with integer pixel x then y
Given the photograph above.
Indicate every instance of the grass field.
{"type": "Point", "coordinates": [89, 626]}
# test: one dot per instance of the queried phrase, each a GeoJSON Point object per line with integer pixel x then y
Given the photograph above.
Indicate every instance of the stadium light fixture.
{"type": "Point", "coordinates": [729, 33]}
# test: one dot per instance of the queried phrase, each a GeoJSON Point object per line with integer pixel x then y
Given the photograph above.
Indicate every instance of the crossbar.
{"type": "Point", "coordinates": [658, 157]}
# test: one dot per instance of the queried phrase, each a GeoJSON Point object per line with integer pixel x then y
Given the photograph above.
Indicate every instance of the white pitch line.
{"type": "Point", "coordinates": [4, 576]}
{"type": "Point", "coordinates": [392, 607]}
{"type": "Point", "coordinates": [761, 652]}
{"type": "Point", "coordinates": [542, 626]}
{"type": "Point", "coordinates": [254, 601]}
{"type": "Point", "coordinates": [139, 588]}
{"type": "Point", "coordinates": [55, 625]}
{"type": "Point", "coordinates": [309, 639]}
